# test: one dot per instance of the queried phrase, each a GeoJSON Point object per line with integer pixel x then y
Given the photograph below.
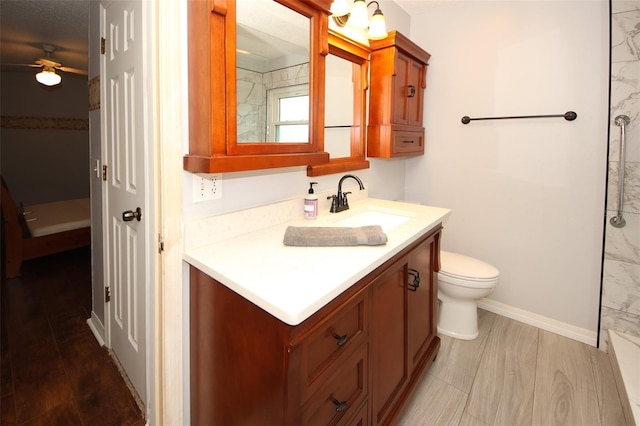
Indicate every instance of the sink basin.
{"type": "Point", "coordinates": [386, 220]}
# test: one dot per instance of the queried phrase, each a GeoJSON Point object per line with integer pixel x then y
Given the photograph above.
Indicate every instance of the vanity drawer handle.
{"type": "Point", "coordinates": [408, 141]}
{"type": "Point", "coordinates": [416, 279]}
{"type": "Point", "coordinates": [340, 340]}
{"type": "Point", "coordinates": [340, 405]}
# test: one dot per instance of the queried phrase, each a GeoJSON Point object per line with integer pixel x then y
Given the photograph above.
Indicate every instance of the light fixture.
{"type": "Point", "coordinates": [358, 17]}
{"type": "Point", "coordinates": [48, 77]}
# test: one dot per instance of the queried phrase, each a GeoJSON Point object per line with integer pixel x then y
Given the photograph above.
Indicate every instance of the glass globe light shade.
{"type": "Point", "coordinates": [48, 78]}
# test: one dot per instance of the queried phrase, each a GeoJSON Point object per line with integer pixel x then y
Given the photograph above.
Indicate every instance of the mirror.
{"type": "Point", "coordinates": [213, 31]}
{"type": "Point", "coordinates": [338, 101]}
{"type": "Point", "coordinates": [347, 70]}
{"type": "Point", "coordinates": [272, 66]}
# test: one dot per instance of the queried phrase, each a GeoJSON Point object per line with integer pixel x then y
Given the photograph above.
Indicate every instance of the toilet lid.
{"type": "Point", "coordinates": [465, 267]}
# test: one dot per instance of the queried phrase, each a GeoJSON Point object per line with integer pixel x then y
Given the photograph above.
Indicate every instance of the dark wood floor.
{"type": "Point", "coordinates": [53, 370]}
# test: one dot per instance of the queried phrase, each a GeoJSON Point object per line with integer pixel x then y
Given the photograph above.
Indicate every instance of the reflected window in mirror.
{"type": "Point", "coordinates": [289, 114]}
{"type": "Point", "coordinates": [347, 70]}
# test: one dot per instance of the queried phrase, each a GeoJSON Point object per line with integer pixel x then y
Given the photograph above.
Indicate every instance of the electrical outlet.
{"type": "Point", "coordinates": [207, 187]}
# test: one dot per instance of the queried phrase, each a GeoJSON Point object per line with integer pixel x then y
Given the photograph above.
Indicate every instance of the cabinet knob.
{"type": "Point", "coordinates": [340, 340]}
{"type": "Point", "coordinates": [413, 286]}
{"type": "Point", "coordinates": [340, 405]}
{"type": "Point", "coordinates": [411, 91]}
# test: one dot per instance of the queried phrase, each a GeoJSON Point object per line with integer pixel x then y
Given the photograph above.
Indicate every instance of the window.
{"type": "Point", "coordinates": [289, 114]}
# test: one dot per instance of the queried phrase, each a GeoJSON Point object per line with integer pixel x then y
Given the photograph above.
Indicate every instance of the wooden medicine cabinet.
{"type": "Point", "coordinates": [347, 77]}
{"type": "Point", "coordinates": [222, 70]}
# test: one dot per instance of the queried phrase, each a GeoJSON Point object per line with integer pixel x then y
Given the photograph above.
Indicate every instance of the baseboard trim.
{"type": "Point", "coordinates": [96, 328]}
{"type": "Point", "coordinates": [545, 323]}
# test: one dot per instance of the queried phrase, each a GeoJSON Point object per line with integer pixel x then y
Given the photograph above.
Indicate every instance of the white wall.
{"type": "Point", "coordinates": [527, 195]}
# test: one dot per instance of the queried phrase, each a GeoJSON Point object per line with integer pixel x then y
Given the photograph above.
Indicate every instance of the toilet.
{"type": "Point", "coordinates": [462, 281]}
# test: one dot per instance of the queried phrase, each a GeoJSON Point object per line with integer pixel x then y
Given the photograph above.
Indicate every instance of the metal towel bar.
{"type": "Point", "coordinates": [569, 116]}
{"type": "Point", "coordinates": [622, 121]}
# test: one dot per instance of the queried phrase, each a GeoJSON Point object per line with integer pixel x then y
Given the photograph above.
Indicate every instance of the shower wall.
{"type": "Point", "coordinates": [620, 308]}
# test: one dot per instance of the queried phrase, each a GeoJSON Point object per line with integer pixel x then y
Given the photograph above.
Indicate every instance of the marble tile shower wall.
{"type": "Point", "coordinates": [621, 276]}
{"type": "Point", "coordinates": [252, 89]}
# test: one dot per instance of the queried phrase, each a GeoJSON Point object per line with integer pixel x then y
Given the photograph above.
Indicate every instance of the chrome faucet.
{"type": "Point", "coordinates": [339, 202]}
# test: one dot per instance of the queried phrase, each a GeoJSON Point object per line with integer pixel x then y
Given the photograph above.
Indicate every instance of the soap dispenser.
{"type": "Point", "coordinates": [311, 203]}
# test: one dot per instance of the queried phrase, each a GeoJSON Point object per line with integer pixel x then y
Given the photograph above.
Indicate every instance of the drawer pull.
{"type": "Point", "coordinates": [408, 141]}
{"type": "Point", "coordinates": [340, 340]}
{"type": "Point", "coordinates": [340, 405]}
{"type": "Point", "coordinates": [416, 279]}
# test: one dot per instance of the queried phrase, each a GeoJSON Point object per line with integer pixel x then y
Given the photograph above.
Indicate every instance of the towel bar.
{"type": "Point", "coordinates": [569, 116]}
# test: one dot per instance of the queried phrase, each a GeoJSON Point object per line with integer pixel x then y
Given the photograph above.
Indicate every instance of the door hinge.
{"type": "Point", "coordinates": [107, 294]}
{"type": "Point", "coordinates": [104, 172]}
{"type": "Point", "coordinates": [160, 244]}
{"type": "Point", "coordinates": [103, 45]}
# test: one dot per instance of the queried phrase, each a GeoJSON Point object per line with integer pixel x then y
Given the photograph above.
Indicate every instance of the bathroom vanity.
{"type": "Point", "coordinates": [313, 335]}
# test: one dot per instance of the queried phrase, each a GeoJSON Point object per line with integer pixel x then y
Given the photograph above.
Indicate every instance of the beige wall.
{"type": "Point", "coordinates": [44, 164]}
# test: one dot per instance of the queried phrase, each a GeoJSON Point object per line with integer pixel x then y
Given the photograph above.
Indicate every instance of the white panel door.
{"type": "Point", "coordinates": [125, 139]}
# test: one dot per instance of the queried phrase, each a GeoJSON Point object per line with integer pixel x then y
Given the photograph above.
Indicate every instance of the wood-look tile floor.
{"type": "Point", "coordinates": [514, 374]}
{"type": "Point", "coordinates": [53, 370]}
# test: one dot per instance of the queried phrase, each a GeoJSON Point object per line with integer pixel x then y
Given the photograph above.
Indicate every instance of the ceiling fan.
{"type": "Point", "coordinates": [48, 75]}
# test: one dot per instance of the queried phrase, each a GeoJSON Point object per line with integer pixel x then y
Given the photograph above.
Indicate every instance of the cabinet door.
{"type": "Point", "coordinates": [400, 87]}
{"type": "Point", "coordinates": [408, 90]}
{"type": "Point", "coordinates": [422, 322]}
{"type": "Point", "coordinates": [414, 92]}
{"type": "Point", "coordinates": [389, 363]}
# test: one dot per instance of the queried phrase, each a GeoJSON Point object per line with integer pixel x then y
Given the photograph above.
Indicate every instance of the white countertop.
{"type": "Point", "coordinates": [292, 283]}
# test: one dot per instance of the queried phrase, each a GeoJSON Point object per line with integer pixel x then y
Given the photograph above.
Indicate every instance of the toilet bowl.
{"type": "Point", "coordinates": [462, 281]}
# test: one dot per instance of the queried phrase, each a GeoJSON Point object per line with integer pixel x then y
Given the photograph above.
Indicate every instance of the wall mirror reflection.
{"type": "Point", "coordinates": [272, 73]}
{"type": "Point", "coordinates": [347, 70]}
{"type": "Point", "coordinates": [339, 112]}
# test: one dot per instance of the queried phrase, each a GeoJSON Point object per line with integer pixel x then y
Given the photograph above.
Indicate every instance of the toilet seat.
{"type": "Point", "coordinates": [456, 268]}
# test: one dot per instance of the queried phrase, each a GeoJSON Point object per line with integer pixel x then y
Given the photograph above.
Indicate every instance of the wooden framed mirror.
{"type": "Point", "coordinates": [214, 145]}
{"type": "Point", "coordinates": [347, 71]}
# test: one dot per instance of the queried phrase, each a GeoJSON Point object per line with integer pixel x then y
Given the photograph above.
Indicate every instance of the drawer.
{"type": "Point", "coordinates": [361, 417]}
{"type": "Point", "coordinates": [407, 142]}
{"type": "Point", "coordinates": [341, 396]}
{"type": "Point", "coordinates": [345, 329]}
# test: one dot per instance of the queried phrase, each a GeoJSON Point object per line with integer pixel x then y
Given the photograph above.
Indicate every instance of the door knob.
{"type": "Point", "coordinates": [129, 215]}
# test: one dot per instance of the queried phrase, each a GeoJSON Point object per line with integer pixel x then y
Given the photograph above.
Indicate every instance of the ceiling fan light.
{"type": "Point", "coordinates": [48, 78]}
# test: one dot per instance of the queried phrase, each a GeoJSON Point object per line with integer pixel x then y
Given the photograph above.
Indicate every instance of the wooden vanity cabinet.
{"type": "Point", "coordinates": [404, 339]}
{"type": "Point", "coordinates": [354, 362]}
{"type": "Point", "coordinates": [398, 80]}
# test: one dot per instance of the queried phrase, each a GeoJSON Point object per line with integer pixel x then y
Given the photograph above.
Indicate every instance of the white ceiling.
{"type": "Point", "coordinates": [25, 25]}
{"type": "Point", "coordinates": [413, 6]}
